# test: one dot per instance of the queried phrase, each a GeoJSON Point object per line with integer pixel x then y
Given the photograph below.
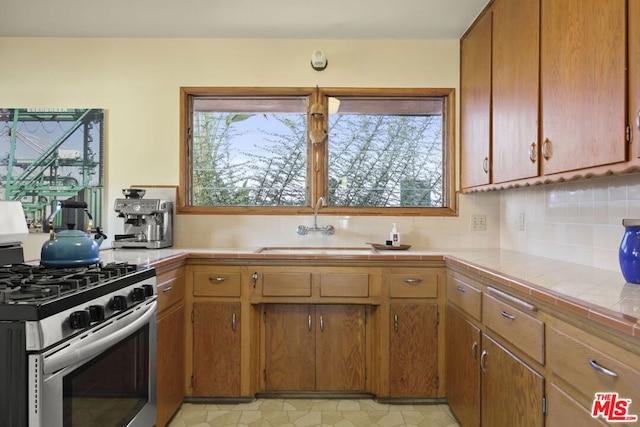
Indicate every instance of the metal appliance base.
{"type": "Point", "coordinates": [156, 244]}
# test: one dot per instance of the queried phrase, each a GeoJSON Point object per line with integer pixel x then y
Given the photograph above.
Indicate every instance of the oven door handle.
{"type": "Point", "coordinates": [71, 356]}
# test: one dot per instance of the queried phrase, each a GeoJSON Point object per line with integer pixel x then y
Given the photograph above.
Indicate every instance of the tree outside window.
{"type": "Point", "coordinates": [380, 151]}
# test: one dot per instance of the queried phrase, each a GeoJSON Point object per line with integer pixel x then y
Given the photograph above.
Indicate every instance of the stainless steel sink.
{"type": "Point", "coordinates": [315, 251]}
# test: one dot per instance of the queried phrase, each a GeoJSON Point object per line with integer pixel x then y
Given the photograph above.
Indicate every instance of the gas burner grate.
{"type": "Point", "coordinates": [24, 283]}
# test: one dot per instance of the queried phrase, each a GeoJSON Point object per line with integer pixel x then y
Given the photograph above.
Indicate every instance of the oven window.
{"type": "Point", "coordinates": [110, 389]}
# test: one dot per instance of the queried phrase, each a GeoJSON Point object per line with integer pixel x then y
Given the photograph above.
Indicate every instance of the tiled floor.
{"type": "Point", "coordinates": [313, 413]}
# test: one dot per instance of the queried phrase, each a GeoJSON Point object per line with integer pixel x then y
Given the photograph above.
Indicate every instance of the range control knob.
{"type": "Point", "coordinates": [148, 290]}
{"type": "Point", "coordinates": [96, 313]}
{"type": "Point", "coordinates": [138, 294]}
{"type": "Point", "coordinates": [119, 303]}
{"type": "Point", "coordinates": [79, 319]}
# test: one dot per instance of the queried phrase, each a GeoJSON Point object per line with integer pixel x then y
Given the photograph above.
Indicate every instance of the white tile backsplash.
{"type": "Point", "coordinates": [578, 221]}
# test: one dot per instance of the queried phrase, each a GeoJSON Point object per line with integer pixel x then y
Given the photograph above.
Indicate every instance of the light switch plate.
{"type": "Point", "coordinates": [478, 223]}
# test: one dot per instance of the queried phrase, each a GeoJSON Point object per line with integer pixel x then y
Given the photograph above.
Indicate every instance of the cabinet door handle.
{"type": "Point", "coordinates": [233, 322]}
{"type": "Point", "coordinates": [167, 289]}
{"type": "Point", "coordinates": [309, 322]}
{"type": "Point", "coordinates": [533, 156]}
{"type": "Point", "coordinates": [321, 323]}
{"type": "Point", "coordinates": [412, 281]}
{"type": "Point", "coordinates": [461, 289]}
{"type": "Point", "coordinates": [546, 149]}
{"type": "Point", "coordinates": [218, 279]}
{"type": "Point", "coordinates": [602, 369]}
{"type": "Point", "coordinates": [507, 315]}
{"type": "Point", "coordinates": [395, 322]}
{"type": "Point", "coordinates": [474, 350]}
{"type": "Point", "coordinates": [485, 165]}
{"type": "Point", "coordinates": [254, 276]}
{"type": "Point", "coordinates": [483, 356]}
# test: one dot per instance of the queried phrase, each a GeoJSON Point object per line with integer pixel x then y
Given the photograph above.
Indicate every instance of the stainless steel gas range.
{"type": "Point", "coordinates": [77, 345]}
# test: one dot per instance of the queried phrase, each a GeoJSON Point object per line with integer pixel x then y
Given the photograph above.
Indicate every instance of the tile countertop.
{"type": "Point", "coordinates": [596, 294]}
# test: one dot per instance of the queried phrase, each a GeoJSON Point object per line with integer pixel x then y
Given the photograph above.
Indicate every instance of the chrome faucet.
{"type": "Point", "coordinates": [326, 230]}
{"type": "Point", "coordinates": [322, 201]}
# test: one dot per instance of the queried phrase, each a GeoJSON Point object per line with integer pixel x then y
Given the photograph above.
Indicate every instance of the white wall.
{"type": "Point", "coordinates": [137, 82]}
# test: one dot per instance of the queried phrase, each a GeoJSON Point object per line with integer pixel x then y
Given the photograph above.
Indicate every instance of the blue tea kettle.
{"type": "Point", "coordinates": [71, 247]}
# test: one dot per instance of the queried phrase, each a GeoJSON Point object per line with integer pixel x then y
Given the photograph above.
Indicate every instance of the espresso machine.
{"type": "Point", "coordinates": [148, 223]}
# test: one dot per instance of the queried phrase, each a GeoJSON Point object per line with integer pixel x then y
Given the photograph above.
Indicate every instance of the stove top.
{"type": "Point", "coordinates": [27, 284]}
{"type": "Point", "coordinates": [32, 292]}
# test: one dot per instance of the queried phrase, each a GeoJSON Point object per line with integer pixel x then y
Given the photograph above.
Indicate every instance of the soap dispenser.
{"type": "Point", "coordinates": [394, 236]}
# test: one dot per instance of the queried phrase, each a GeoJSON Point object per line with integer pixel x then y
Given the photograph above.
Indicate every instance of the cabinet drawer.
{"type": "Point", "coordinates": [170, 289]}
{"type": "Point", "coordinates": [417, 283]}
{"type": "Point", "coordinates": [520, 329]}
{"type": "Point", "coordinates": [565, 411]}
{"type": "Point", "coordinates": [465, 296]}
{"type": "Point", "coordinates": [295, 284]}
{"type": "Point", "coordinates": [216, 283]}
{"type": "Point", "coordinates": [344, 284]}
{"type": "Point", "coordinates": [581, 365]}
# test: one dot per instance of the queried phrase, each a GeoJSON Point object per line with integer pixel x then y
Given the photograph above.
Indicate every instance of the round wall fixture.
{"type": "Point", "coordinates": [318, 60]}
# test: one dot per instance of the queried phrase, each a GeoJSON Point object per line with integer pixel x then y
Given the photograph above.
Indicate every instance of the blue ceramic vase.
{"type": "Point", "coordinates": [629, 253]}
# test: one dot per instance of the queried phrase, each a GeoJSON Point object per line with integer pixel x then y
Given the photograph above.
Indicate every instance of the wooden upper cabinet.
{"type": "Point", "coordinates": [634, 72]}
{"type": "Point", "coordinates": [515, 83]}
{"type": "Point", "coordinates": [475, 104]}
{"type": "Point", "coordinates": [583, 89]}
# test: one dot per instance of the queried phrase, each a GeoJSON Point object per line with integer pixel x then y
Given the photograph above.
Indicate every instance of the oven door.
{"type": "Point", "coordinates": [105, 376]}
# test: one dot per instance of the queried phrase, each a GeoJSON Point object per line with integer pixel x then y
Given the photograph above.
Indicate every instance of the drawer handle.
{"type": "Point", "coordinates": [511, 299]}
{"type": "Point", "coordinates": [395, 322]}
{"type": "Point", "coordinates": [482, 358]}
{"type": "Point", "coordinates": [602, 369]}
{"type": "Point", "coordinates": [474, 350]}
{"type": "Point", "coordinates": [412, 281]}
{"type": "Point", "coordinates": [217, 279]}
{"type": "Point", "coordinates": [507, 315]}
{"type": "Point", "coordinates": [461, 289]}
{"type": "Point", "coordinates": [167, 289]}
{"type": "Point", "coordinates": [254, 277]}
{"type": "Point", "coordinates": [233, 322]}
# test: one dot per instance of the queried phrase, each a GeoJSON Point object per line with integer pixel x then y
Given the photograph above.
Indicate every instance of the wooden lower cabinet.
{"type": "Point", "coordinates": [290, 347]}
{"type": "Point", "coordinates": [315, 347]}
{"type": "Point", "coordinates": [566, 411]}
{"type": "Point", "coordinates": [170, 342]}
{"type": "Point", "coordinates": [170, 363]}
{"type": "Point", "coordinates": [512, 392]}
{"type": "Point", "coordinates": [216, 349]}
{"type": "Point", "coordinates": [413, 350]}
{"type": "Point", "coordinates": [463, 368]}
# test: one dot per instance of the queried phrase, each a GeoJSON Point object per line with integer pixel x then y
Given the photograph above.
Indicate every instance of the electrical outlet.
{"type": "Point", "coordinates": [521, 221]}
{"type": "Point", "coordinates": [478, 222]}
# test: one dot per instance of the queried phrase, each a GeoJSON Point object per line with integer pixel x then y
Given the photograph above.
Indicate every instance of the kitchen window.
{"type": "Point", "coordinates": [278, 150]}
